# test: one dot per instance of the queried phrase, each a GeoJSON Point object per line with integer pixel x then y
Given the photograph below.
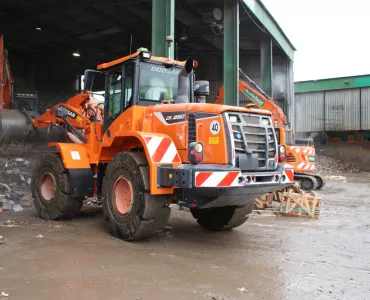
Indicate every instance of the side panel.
{"type": "Point", "coordinates": [159, 149]}
{"type": "Point", "coordinates": [210, 130]}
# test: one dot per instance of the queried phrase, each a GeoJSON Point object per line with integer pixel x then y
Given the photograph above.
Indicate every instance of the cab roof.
{"type": "Point", "coordinates": [136, 54]}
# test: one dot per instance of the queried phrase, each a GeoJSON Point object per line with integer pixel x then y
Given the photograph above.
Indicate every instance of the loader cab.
{"type": "Point", "coordinates": [141, 80]}
{"type": "Point", "coordinates": [284, 135]}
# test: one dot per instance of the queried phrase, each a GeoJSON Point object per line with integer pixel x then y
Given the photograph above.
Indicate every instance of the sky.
{"type": "Point", "coordinates": [332, 37]}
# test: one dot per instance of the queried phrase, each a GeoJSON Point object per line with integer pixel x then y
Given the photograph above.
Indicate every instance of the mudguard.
{"type": "Point", "coordinates": [76, 161]}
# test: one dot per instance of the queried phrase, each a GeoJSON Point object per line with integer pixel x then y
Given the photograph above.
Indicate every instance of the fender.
{"type": "Point", "coordinates": [159, 150]}
{"type": "Point", "coordinates": [76, 162]}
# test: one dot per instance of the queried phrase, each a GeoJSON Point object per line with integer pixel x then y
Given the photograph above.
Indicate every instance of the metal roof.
{"type": "Point", "coordinates": [328, 84]}
{"type": "Point", "coordinates": [50, 30]}
{"type": "Point", "coordinates": [267, 20]}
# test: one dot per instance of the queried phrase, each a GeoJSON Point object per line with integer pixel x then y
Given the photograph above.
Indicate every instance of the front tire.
{"type": "Point", "coordinates": [222, 218]}
{"type": "Point", "coordinates": [132, 212]}
{"type": "Point", "coordinates": [51, 189]}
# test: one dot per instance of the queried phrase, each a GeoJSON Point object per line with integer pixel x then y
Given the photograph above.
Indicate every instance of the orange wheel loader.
{"type": "Point", "coordinates": [156, 145]}
{"type": "Point", "coordinates": [300, 157]}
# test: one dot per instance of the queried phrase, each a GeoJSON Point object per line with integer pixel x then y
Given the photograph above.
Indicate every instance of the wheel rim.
{"type": "Point", "coordinates": [47, 186]}
{"type": "Point", "coordinates": [122, 195]}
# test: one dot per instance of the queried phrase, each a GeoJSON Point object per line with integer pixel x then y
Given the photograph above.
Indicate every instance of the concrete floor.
{"type": "Point", "coordinates": [272, 258]}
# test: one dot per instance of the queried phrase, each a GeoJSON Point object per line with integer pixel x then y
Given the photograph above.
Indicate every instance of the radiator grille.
{"type": "Point", "coordinates": [253, 133]}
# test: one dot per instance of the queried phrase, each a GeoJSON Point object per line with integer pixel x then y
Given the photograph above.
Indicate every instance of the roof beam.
{"type": "Point", "coordinates": [139, 38]}
{"type": "Point", "coordinates": [48, 32]}
{"type": "Point", "coordinates": [266, 19]}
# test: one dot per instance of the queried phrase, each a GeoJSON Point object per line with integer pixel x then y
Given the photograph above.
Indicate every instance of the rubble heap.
{"type": "Point", "coordinates": [15, 184]}
{"type": "Point", "coordinates": [332, 165]}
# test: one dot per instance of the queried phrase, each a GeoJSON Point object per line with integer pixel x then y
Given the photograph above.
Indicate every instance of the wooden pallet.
{"type": "Point", "coordinates": [300, 204]}
{"type": "Point", "coordinates": [265, 201]}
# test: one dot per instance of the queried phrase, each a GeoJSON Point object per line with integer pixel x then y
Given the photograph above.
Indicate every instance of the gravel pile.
{"type": "Point", "coordinates": [332, 165]}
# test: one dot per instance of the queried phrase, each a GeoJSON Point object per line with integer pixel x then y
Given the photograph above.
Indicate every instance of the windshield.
{"type": "Point", "coordinates": [158, 82]}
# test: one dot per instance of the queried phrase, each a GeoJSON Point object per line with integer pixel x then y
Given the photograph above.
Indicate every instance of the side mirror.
{"type": "Point", "coordinates": [93, 80]}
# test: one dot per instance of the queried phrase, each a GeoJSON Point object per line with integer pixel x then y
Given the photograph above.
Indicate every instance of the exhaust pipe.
{"type": "Point", "coordinates": [183, 82]}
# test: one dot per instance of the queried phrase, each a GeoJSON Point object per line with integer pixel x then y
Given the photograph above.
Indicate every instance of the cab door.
{"type": "Point", "coordinates": [119, 92]}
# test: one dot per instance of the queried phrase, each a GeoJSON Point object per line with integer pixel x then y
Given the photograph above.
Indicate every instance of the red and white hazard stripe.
{"type": "Point", "coordinates": [307, 167]}
{"type": "Point", "coordinates": [311, 150]}
{"type": "Point", "coordinates": [232, 179]}
{"type": "Point", "coordinates": [289, 173]}
{"type": "Point", "coordinates": [161, 149]}
{"type": "Point", "coordinates": [217, 179]}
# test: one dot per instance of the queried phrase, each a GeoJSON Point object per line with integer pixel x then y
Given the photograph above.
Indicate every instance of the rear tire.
{"type": "Point", "coordinates": [132, 212]}
{"type": "Point", "coordinates": [309, 183]}
{"type": "Point", "coordinates": [51, 189]}
{"type": "Point", "coordinates": [222, 218]}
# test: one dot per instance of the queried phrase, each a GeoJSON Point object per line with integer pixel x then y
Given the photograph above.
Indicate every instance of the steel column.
{"type": "Point", "coordinates": [231, 52]}
{"type": "Point", "coordinates": [266, 63]}
{"type": "Point", "coordinates": [163, 24]}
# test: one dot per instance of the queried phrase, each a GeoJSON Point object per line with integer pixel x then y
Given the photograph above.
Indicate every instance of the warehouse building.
{"type": "Point", "coordinates": [336, 108]}
{"type": "Point", "coordinates": [51, 43]}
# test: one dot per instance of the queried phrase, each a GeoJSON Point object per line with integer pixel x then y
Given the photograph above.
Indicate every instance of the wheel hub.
{"type": "Point", "coordinates": [307, 184]}
{"type": "Point", "coordinates": [47, 186]}
{"type": "Point", "coordinates": [122, 195]}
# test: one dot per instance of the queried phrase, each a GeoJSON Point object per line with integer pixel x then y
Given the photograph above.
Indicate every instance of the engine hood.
{"type": "Point", "coordinates": [207, 108]}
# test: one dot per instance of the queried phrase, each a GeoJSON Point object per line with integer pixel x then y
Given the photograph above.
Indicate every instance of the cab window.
{"type": "Point", "coordinates": [115, 94]}
{"type": "Point", "coordinates": [129, 72]}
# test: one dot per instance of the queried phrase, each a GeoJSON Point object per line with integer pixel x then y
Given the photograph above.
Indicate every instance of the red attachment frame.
{"type": "Point", "coordinates": [6, 79]}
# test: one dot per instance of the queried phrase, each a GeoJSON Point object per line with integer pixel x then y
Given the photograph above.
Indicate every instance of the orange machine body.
{"type": "Point", "coordinates": [160, 130]}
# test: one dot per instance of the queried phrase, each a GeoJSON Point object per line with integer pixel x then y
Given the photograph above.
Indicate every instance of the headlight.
{"type": "Point", "coordinates": [146, 55]}
{"type": "Point", "coordinates": [282, 149]}
{"type": "Point", "coordinates": [195, 153]}
{"type": "Point", "coordinates": [265, 122]}
{"type": "Point", "coordinates": [198, 148]}
{"type": "Point", "coordinates": [233, 119]}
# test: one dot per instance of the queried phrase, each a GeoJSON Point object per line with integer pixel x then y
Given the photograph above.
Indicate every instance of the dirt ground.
{"type": "Point", "coordinates": [270, 257]}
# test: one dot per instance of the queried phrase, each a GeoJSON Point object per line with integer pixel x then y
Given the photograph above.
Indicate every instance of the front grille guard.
{"type": "Point", "coordinates": [249, 142]}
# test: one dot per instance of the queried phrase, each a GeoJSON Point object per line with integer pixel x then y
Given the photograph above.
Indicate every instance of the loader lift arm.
{"type": "Point", "coordinates": [255, 94]}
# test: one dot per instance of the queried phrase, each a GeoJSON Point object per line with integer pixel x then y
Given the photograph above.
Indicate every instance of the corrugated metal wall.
{"type": "Point", "coordinates": [339, 110]}
{"type": "Point", "coordinates": [251, 66]}
{"type": "Point", "coordinates": [365, 109]}
{"type": "Point", "coordinates": [280, 80]}
{"type": "Point", "coordinates": [309, 112]}
{"type": "Point", "coordinates": [342, 110]}
{"type": "Point", "coordinates": [290, 98]}
{"type": "Point", "coordinates": [210, 68]}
